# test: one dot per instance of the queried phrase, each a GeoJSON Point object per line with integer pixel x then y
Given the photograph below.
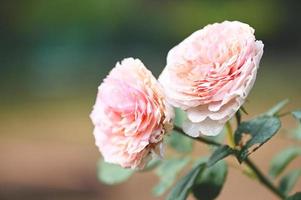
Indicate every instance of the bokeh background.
{"type": "Point", "coordinates": [54, 54]}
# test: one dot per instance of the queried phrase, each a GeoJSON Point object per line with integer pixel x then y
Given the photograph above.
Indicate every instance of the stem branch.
{"type": "Point", "coordinates": [261, 177]}
{"type": "Point", "coordinates": [230, 137]}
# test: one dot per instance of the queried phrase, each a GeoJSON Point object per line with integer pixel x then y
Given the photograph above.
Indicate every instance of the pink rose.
{"type": "Point", "coordinates": [210, 74]}
{"type": "Point", "coordinates": [130, 115]}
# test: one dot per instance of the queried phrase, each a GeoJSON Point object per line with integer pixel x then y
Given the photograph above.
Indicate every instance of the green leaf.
{"type": "Point", "coordinates": [209, 184]}
{"type": "Point", "coordinates": [220, 153]}
{"type": "Point", "coordinates": [297, 115]}
{"type": "Point", "coordinates": [296, 196]}
{"type": "Point", "coordinates": [288, 182]}
{"type": "Point", "coordinates": [180, 142]}
{"type": "Point", "coordinates": [277, 108]}
{"type": "Point", "coordinates": [112, 174]}
{"type": "Point", "coordinates": [184, 185]}
{"type": "Point", "coordinates": [168, 172]}
{"type": "Point", "coordinates": [282, 159]}
{"type": "Point", "coordinates": [250, 135]}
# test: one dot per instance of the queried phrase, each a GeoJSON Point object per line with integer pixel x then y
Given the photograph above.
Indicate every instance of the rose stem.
{"type": "Point", "coordinates": [230, 135]}
{"type": "Point", "coordinates": [261, 177]}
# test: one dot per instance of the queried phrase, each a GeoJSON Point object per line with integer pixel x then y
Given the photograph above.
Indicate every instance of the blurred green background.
{"type": "Point", "coordinates": [54, 54]}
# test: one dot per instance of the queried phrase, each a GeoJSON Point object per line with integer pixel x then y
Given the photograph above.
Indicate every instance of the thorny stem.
{"type": "Point", "coordinates": [261, 177]}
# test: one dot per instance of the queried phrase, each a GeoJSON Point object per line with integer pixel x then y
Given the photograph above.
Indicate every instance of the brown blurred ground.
{"type": "Point", "coordinates": [47, 149]}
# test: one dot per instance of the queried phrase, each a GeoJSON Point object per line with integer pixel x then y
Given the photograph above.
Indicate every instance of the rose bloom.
{"type": "Point", "coordinates": [210, 74]}
{"type": "Point", "coordinates": [130, 115]}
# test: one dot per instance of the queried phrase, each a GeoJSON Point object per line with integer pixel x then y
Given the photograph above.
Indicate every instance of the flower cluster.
{"type": "Point", "coordinates": [208, 75]}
